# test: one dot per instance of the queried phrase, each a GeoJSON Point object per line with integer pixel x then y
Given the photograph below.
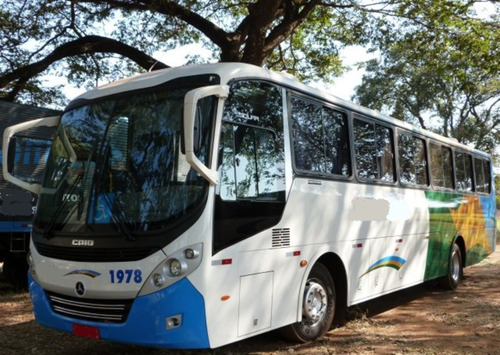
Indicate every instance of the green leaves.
{"type": "Point", "coordinates": [439, 64]}
{"type": "Point", "coordinates": [439, 68]}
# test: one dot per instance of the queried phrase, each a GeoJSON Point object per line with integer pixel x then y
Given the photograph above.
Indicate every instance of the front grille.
{"type": "Point", "coordinates": [106, 311]}
{"type": "Point", "coordinates": [94, 254]}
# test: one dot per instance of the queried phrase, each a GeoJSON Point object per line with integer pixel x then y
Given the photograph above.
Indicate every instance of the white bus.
{"type": "Point", "coordinates": [197, 206]}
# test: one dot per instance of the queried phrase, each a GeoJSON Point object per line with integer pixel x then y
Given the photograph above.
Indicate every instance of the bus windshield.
{"type": "Point", "coordinates": [130, 172]}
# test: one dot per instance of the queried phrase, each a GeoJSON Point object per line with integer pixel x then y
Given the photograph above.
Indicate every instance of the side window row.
{"type": "Point", "coordinates": [321, 146]}
{"type": "Point", "coordinates": [471, 173]}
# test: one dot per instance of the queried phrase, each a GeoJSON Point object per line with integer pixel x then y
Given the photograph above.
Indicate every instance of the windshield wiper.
{"type": "Point", "coordinates": [114, 206]}
{"type": "Point", "coordinates": [119, 222]}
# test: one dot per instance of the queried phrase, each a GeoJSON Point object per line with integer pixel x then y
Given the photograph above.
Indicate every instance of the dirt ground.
{"type": "Point", "coordinates": [419, 320]}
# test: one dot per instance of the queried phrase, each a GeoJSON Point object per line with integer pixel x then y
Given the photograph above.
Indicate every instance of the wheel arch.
{"type": "Point", "coordinates": [337, 270]}
{"type": "Point", "coordinates": [459, 240]}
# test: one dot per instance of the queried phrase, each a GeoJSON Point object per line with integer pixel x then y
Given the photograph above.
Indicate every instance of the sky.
{"type": "Point", "coordinates": [343, 86]}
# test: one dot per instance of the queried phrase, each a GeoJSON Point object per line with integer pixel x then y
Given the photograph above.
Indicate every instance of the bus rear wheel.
{"type": "Point", "coordinates": [15, 270]}
{"type": "Point", "coordinates": [318, 307]}
{"type": "Point", "coordinates": [455, 269]}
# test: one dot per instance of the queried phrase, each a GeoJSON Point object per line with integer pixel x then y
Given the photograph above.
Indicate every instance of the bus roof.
{"type": "Point", "coordinates": [232, 71]}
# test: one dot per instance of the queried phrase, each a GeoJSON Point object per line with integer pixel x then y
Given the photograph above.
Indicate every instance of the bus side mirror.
{"type": "Point", "coordinates": [197, 130]}
{"type": "Point", "coordinates": [197, 133]}
{"type": "Point", "coordinates": [191, 122]}
{"type": "Point", "coordinates": [11, 154]}
{"type": "Point", "coordinates": [9, 151]}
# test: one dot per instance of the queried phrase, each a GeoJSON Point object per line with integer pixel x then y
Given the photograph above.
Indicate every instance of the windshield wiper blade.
{"type": "Point", "coordinates": [117, 218]}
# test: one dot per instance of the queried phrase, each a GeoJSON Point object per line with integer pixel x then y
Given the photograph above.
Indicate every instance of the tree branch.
{"type": "Point", "coordinates": [293, 20]}
{"type": "Point", "coordinates": [84, 45]}
{"type": "Point", "coordinates": [170, 8]}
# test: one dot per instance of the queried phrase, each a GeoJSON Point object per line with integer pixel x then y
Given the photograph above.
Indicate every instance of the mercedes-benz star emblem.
{"type": "Point", "coordinates": [80, 288]}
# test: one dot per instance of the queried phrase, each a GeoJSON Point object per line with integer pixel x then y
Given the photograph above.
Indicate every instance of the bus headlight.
{"type": "Point", "coordinates": [158, 280]}
{"type": "Point", "coordinates": [191, 253]}
{"type": "Point", "coordinates": [176, 266]}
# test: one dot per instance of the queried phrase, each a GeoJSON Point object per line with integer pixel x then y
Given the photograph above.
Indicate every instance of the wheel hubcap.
{"type": "Point", "coordinates": [455, 267]}
{"type": "Point", "coordinates": [315, 303]}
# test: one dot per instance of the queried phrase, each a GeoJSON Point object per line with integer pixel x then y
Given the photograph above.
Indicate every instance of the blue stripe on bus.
{"type": "Point", "coordinates": [146, 323]}
{"type": "Point", "coordinates": [16, 226]}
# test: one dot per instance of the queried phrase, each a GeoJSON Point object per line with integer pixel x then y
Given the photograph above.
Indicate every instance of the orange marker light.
{"type": "Point", "coordinates": [303, 263]}
{"type": "Point", "coordinates": [225, 298]}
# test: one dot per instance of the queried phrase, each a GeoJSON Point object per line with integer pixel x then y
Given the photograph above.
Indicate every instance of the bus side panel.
{"type": "Point", "coordinates": [451, 215]}
{"type": "Point", "coordinates": [489, 207]}
{"type": "Point", "coordinates": [379, 232]}
{"type": "Point", "coordinates": [387, 237]}
{"type": "Point", "coordinates": [257, 291]}
{"type": "Point", "coordinates": [392, 224]}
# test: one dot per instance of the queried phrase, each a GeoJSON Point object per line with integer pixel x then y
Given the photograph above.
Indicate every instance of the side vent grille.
{"type": "Point", "coordinates": [281, 237]}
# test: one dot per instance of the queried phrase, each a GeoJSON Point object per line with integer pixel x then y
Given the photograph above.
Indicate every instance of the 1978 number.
{"type": "Point", "coordinates": [125, 276]}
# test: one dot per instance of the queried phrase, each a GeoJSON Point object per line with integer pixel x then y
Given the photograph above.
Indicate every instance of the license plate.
{"type": "Point", "coordinates": [86, 331]}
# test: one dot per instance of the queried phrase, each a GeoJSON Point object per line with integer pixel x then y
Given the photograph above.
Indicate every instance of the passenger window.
{"type": "Point", "coordinates": [463, 169]}
{"type": "Point", "coordinates": [441, 166]}
{"type": "Point", "coordinates": [412, 160]}
{"type": "Point", "coordinates": [373, 148]}
{"type": "Point", "coordinates": [308, 140]}
{"type": "Point", "coordinates": [337, 153]}
{"type": "Point", "coordinates": [320, 138]}
{"type": "Point", "coordinates": [482, 174]}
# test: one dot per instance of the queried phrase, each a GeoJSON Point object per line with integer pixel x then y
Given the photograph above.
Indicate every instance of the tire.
{"type": "Point", "coordinates": [318, 307]}
{"type": "Point", "coordinates": [16, 272]}
{"type": "Point", "coordinates": [455, 269]}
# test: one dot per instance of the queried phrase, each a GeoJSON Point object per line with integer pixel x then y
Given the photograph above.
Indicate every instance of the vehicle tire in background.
{"type": "Point", "coordinates": [15, 270]}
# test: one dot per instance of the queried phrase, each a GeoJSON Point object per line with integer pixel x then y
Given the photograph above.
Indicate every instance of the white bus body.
{"type": "Point", "coordinates": [248, 258]}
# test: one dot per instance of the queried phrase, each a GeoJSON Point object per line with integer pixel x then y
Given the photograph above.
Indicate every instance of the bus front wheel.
{"type": "Point", "coordinates": [318, 307]}
{"type": "Point", "coordinates": [455, 269]}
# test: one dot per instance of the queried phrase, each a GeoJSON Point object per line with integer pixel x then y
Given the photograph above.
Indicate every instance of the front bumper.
{"type": "Point", "coordinates": [146, 323]}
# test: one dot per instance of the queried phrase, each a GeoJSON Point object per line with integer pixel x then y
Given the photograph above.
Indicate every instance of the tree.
{"type": "Point", "coordinates": [94, 41]}
{"type": "Point", "coordinates": [445, 79]}
{"type": "Point", "coordinates": [70, 38]}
